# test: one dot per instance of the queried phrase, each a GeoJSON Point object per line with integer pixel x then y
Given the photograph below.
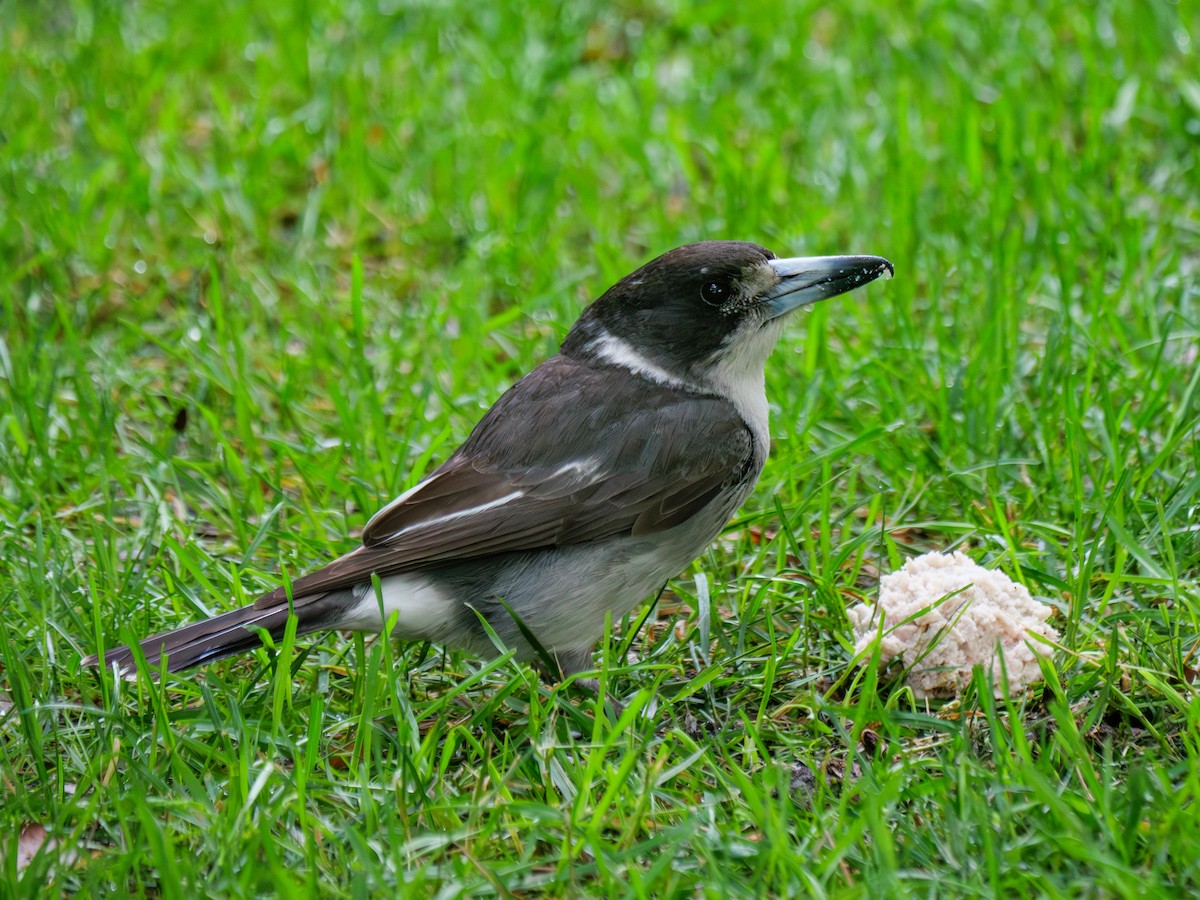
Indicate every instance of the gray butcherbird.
{"type": "Point", "coordinates": [594, 479]}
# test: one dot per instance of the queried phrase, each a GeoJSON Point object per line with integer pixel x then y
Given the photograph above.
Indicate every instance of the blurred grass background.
{"type": "Point", "coordinates": [264, 265]}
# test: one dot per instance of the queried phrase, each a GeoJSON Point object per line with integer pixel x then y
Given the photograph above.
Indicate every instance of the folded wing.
{"type": "Point", "coordinates": [654, 457]}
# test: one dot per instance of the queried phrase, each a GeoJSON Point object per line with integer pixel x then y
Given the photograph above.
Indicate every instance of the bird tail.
{"type": "Point", "coordinates": [224, 635]}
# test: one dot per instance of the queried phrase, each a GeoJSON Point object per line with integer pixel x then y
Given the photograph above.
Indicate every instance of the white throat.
{"type": "Point", "coordinates": [739, 375]}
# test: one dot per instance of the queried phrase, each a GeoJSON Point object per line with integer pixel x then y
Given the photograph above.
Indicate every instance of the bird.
{"type": "Point", "coordinates": [591, 482]}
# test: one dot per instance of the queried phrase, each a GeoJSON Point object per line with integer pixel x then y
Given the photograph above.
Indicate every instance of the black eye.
{"type": "Point", "coordinates": [714, 292]}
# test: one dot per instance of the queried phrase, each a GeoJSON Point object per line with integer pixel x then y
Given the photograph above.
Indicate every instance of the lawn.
{"type": "Point", "coordinates": [264, 265]}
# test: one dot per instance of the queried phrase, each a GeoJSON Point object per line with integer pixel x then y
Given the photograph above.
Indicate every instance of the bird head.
{"type": "Point", "coordinates": [710, 307]}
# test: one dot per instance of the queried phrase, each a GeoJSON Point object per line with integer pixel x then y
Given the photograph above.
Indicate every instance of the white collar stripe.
{"type": "Point", "coordinates": [620, 353]}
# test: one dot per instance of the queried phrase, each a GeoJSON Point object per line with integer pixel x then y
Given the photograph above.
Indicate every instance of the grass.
{"type": "Point", "coordinates": [264, 265]}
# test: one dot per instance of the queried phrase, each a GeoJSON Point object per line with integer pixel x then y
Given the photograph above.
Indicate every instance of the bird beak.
{"type": "Point", "coordinates": [804, 280]}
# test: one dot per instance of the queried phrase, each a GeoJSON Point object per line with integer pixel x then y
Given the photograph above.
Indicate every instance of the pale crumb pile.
{"type": "Point", "coordinates": [999, 611]}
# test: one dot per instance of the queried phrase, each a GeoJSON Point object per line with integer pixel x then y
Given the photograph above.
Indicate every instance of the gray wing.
{"type": "Point", "coordinates": [654, 457]}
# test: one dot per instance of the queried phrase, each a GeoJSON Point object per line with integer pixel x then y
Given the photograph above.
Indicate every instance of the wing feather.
{"type": "Point", "coordinates": [656, 457]}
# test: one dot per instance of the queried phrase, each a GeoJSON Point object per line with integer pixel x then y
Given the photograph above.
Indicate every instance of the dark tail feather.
{"type": "Point", "coordinates": [225, 635]}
